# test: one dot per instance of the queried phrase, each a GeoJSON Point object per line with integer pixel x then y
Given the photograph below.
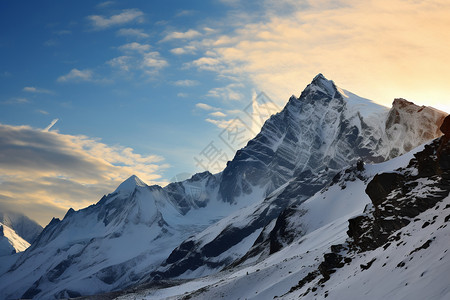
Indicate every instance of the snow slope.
{"type": "Point", "coordinates": [10, 241]}
{"type": "Point", "coordinates": [21, 224]}
{"type": "Point", "coordinates": [412, 265]}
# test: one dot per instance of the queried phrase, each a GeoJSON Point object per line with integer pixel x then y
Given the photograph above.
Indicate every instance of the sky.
{"type": "Point", "coordinates": [93, 91]}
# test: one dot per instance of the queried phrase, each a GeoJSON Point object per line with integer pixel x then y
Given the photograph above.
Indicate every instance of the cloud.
{"type": "Point", "coordinates": [43, 112]}
{"type": "Point", "coordinates": [16, 100]}
{"type": "Point", "coordinates": [234, 111]}
{"type": "Point", "coordinates": [186, 82]}
{"type": "Point", "coordinates": [178, 51]}
{"type": "Point", "coordinates": [182, 95]}
{"type": "Point", "coordinates": [32, 89]}
{"type": "Point", "coordinates": [135, 47]}
{"type": "Point", "coordinates": [139, 60]}
{"type": "Point", "coordinates": [154, 61]}
{"type": "Point", "coordinates": [379, 49]}
{"type": "Point", "coordinates": [46, 169]}
{"type": "Point", "coordinates": [52, 123]}
{"type": "Point", "coordinates": [190, 34]}
{"type": "Point", "coordinates": [186, 12]}
{"type": "Point", "coordinates": [204, 106]}
{"type": "Point", "coordinates": [206, 63]}
{"type": "Point", "coordinates": [121, 62]}
{"type": "Point", "coordinates": [126, 16]}
{"type": "Point", "coordinates": [228, 92]}
{"type": "Point", "coordinates": [131, 32]}
{"type": "Point", "coordinates": [105, 4]}
{"type": "Point", "coordinates": [218, 114]}
{"type": "Point", "coordinates": [77, 75]}
{"type": "Point", "coordinates": [189, 49]}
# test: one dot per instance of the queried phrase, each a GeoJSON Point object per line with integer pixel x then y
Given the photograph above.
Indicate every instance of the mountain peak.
{"type": "Point", "coordinates": [130, 184]}
{"type": "Point", "coordinates": [324, 84]}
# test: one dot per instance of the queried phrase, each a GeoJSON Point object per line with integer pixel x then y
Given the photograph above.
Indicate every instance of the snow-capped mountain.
{"type": "Point", "coordinates": [378, 231]}
{"type": "Point", "coordinates": [10, 241]}
{"type": "Point", "coordinates": [297, 153]}
{"type": "Point", "coordinates": [108, 245]}
{"type": "Point", "coordinates": [141, 233]}
{"type": "Point", "coordinates": [21, 224]}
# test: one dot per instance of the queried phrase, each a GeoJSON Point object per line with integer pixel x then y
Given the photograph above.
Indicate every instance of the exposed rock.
{"type": "Point", "coordinates": [445, 127]}
{"type": "Point", "coordinates": [394, 204]}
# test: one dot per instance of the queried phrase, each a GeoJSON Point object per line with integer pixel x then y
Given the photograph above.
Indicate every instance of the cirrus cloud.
{"type": "Point", "coordinates": [77, 75]}
{"type": "Point", "coordinates": [126, 16]}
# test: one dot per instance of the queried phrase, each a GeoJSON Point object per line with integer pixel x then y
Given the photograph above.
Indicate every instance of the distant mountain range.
{"type": "Point", "coordinates": [16, 232]}
{"type": "Point", "coordinates": [274, 222]}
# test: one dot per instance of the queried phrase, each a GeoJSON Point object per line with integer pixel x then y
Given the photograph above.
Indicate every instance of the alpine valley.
{"type": "Point", "coordinates": [336, 197]}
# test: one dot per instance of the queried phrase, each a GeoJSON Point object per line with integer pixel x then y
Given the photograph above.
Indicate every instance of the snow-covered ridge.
{"type": "Point", "coordinates": [300, 149]}
{"type": "Point", "coordinates": [198, 226]}
{"type": "Point", "coordinates": [411, 263]}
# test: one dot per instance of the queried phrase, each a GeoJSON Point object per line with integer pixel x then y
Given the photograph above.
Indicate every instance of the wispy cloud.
{"type": "Point", "coordinates": [185, 12]}
{"type": "Point", "coordinates": [105, 4]}
{"type": "Point", "coordinates": [205, 106]}
{"type": "Point", "coordinates": [132, 32]}
{"type": "Point", "coordinates": [123, 62]}
{"type": "Point", "coordinates": [186, 82]}
{"type": "Point", "coordinates": [126, 16]}
{"type": "Point", "coordinates": [383, 41]}
{"type": "Point", "coordinates": [134, 46]}
{"type": "Point", "coordinates": [49, 172]}
{"type": "Point", "coordinates": [218, 114]}
{"type": "Point", "coordinates": [139, 59]}
{"type": "Point", "coordinates": [52, 123]}
{"type": "Point", "coordinates": [230, 124]}
{"type": "Point", "coordinates": [32, 89]}
{"type": "Point", "coordinates": [16, 100]}
{"type": "Point", "coordinates": [43, 112]}
{"type": "Point", "coordinates": [229, 92]}
{"type": "Point", "coordinates": [77, 75]}
{"type": "Point", "coordinates": [188, 49]}
{"type": "Point", "coordinates": [206, 63]}
{"type": "Point", "coordinates": [190, 34]}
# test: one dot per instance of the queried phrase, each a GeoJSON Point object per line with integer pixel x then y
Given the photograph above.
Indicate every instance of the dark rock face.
{"type": "Point", "coordinates": [382, 185]}
{"type": "Point", "coordinates": [445, 127]}
{"type": "Point", "coordinates": [394, 204]}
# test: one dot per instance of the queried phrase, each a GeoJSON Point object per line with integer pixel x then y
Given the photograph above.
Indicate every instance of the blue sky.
{"type": "Point", "coordinates": [92, 91]}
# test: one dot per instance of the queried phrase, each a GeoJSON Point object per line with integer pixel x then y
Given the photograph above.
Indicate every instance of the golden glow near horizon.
{"type": "Point", "coordinates": [380, 50]}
